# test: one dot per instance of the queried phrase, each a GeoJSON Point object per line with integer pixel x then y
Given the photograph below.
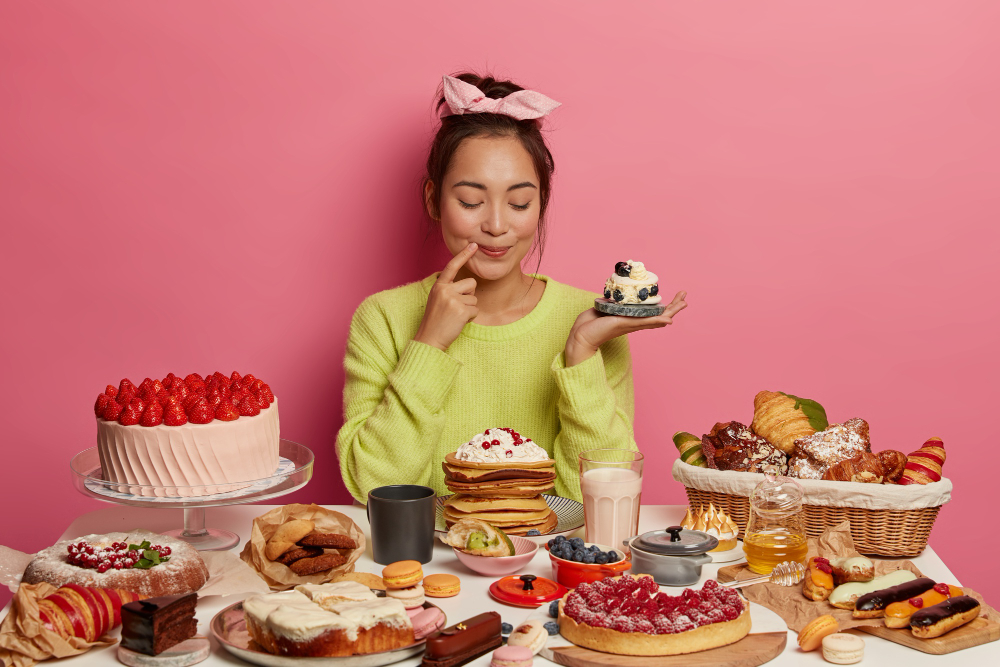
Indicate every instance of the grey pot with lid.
{"type": "Point", "coordinates": [673, 556]}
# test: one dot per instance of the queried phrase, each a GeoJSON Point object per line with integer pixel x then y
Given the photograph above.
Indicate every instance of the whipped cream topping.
{"type": "Point", "coordinates": [499, 445]}
{"type": "Point", "coordinates": [638, 271]}
{"type": "Point", "coordinates": [631, 285]}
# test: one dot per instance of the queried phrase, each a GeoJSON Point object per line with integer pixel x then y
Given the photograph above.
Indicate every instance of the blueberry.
{"type": "Point", "coordinates": [576, 543]}
{"type": "Point", "coordinates": [607, 293]}
{"type": "Point", "coordinates": [505, 628]}
{"type": "Point", "coordinates": [550, 544]}
{"type": "Point", "coordinates": [532, 533]}
{"type": "Point", "coordinates": [617, 295]}
{"type": "Point", "coordinates": [643, 294]}
{"type": "Point", "coordinates": [613, 556]}
{"type": "Point", "coordinates": [601, 558]}
{"type": "Point", "coordinates": [560, 539]}
{"type": "Point", "coordinates": [589, 559]}
{"type": "Point", "coordinates": [553, 609]}
{"type": "Point", "coordinates": [552, 627]}
{"type": "Point", "coordinates": [595, 548]}
{"type": "Point", "coordinates": [579, 555]}
{"type": "Point", "coordinates": [654, 290]}
{"type": "Point", "coordinates": [623, 269]}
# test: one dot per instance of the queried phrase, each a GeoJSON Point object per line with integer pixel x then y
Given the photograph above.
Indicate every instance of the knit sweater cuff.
{"type": "Point", "coordinates": [426, 374]}
{"type": "Point", "coordinates": [582, 385]}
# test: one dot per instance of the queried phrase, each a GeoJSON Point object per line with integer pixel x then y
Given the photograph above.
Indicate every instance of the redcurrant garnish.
{"type": "Point", "coordinates": [917, 602]}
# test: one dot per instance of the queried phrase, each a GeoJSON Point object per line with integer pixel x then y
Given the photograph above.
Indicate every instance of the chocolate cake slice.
{"type": "Point", "coordinates": [154, 625]}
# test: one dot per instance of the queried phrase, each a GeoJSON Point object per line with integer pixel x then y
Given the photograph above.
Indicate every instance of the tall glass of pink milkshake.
{"type": "Point", "coordinates": [611, 482]}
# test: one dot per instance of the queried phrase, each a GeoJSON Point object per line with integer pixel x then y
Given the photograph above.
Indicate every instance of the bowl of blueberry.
{"type": "Point", "coordinates": [575, 562]}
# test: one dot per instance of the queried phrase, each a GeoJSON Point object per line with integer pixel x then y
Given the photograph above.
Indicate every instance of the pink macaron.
{"type": "Point", "coordinates": [512, 656]}
{"type": "Point", "coordinates": [426, 622]}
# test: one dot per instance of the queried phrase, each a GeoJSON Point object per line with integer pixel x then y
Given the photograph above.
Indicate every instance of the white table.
{"type": "Point", "coordinates": [474, 598]}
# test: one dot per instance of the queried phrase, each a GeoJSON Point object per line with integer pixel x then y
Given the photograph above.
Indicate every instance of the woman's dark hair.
{"type": "Point", "coordinates": [456, 128]}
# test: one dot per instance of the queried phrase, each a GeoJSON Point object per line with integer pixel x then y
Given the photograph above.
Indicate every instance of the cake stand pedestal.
{"type": "Point", "coordinates": [294, 471]}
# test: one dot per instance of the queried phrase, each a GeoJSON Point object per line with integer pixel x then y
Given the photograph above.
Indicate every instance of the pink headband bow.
{"type": "Point", "coordinates": [463, 98]}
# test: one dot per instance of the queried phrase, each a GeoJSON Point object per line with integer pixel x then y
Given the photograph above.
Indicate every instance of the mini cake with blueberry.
{"type": "Point", "coordinates": [632, 283]}
{"type": "Point", "coordinates": [631, 291]}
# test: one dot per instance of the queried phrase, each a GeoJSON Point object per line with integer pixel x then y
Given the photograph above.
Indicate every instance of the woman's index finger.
{"type": "Point", "coordinates": [458, 261]}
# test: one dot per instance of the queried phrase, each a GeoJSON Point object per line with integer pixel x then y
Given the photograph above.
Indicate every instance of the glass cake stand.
{"type": "Point", "coordinates": [295, 469]}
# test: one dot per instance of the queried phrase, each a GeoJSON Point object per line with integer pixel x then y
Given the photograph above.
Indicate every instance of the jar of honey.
{"type": "Point", "coordinates": [775, 531]}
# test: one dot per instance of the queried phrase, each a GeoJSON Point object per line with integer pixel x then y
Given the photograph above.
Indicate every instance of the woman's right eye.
{"type": "Point", "coordinates": [466, 204]}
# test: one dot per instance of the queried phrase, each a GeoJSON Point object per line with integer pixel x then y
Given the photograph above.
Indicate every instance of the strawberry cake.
{"type": "Point", "coordinates": [190, 436]}
{"type": "Point", "coordinates": [630, 616]}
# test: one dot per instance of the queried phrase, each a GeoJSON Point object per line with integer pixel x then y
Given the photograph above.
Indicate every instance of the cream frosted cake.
{"type": "Point", "coordinates": [632, 283]}
{"type": "Point", "coordinates": [204, 435]}
{"type": "Point", "coordinates": [294, 623]}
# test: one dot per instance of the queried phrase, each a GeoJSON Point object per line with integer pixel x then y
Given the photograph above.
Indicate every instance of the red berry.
{"type": "Point", "coordinates": [261, 401]}
{"type": "Point", "coordinates": [226, 411]}
{"type": "Point", "coordinates": [103, 567]}
{"type": "Point", "coordinates": [126, 385]}
{"type": "Point", "coordinates": [235, 377]}
{"type": "Point", "coordinates": [248, 380]}
{"type": "Point", "coordinates": [152, 415]}
{"type": "Point", "coordinates": [165, 551]}
{"type": "Point", "coordinates": [495, 443]}
{"type": "Point", "coordinates": [249, 407]}
{"type": "Point", "coordinates": [118, 565]}
{"type": "Point", "coordinates": [132, 414]}
{"type": "Point", "coordinates": [265, 392]}
{"type": "Point", "coordinates": [102, 402]}
{"type": "Point", "coordinates": [917, 602]}
{"type": "Point", "coordinates": [820, 559]}
{"type": "Point", "coordinates": [824, 567]}
{"type": "Point", "coordinates": [943, 589]}
{"type": "Point", "coordinates": [156, 547]}
{"type": "Point", "coordinates": [486, 445]}
{"type": "Point", "coordinates": [112, 411]}
{"type": "Point", "coordinates": [486, 432]}
{"type": "Point", "coordinates": [111, 391]}
{"type": "Point", "coordinates": [158, 386]}
{"type": "Point", "coordinates": [509, 453]}
{"type": "Point", "coordinates": [173, 414]}
{"type": "Point", "coordinates": [200, 412]}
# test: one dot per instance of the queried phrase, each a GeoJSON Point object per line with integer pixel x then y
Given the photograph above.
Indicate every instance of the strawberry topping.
{"type": "Point", "coordinates": [131, 415]}
{"type": "Point", "coordinates": [200, 412]}
{"type": "Point", "coordinates": [173, 415]}
{"type": "Point", "coordinates": [102, 402]}
{"type": "Point", "coordinates": [226, 411]}
{"type": "Point", "coordinates": [112, 410]}
{"type": "Point", "coordinates": [111, 390]}
{"type": "Point", "coordinates": [152, 415]}
{"type": "Point", "coordinates": [249, 408]}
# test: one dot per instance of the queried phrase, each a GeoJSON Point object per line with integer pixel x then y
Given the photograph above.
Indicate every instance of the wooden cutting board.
{"type": "Point", "coordinates": [982, 630]}
{"type": "Point", "coordinates": [750, 651]}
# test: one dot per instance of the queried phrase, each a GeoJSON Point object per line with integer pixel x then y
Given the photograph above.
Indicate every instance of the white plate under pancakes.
{"type": "Point", "coordinates": [230, 630]}
{"type": "Point", "coordinates": [569, 513]}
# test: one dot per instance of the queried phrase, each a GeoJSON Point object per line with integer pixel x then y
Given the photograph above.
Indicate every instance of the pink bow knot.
{"type": "Point", "coordinates": [462, 98]}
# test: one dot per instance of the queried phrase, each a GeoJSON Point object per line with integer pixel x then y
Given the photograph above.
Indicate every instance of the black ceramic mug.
{"type": "Point", "coordinates": [401, 518]}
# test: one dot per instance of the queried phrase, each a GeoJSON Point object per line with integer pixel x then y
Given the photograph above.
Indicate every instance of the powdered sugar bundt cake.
{"type": "Point", "coordinates": [107, 561]}
{"type": "Point", "coordinates": [204, 436]}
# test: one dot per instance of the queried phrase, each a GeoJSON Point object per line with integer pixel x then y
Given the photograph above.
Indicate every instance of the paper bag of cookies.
{"type": "Point", "coordinates": [302, 544]}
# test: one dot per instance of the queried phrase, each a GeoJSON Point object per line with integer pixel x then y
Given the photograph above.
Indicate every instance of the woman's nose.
{"type": "Point", "coordinates": [495, 224]}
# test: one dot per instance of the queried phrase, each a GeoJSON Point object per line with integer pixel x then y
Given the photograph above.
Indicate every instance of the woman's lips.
{"type": "Point", "coordinates": [490, 251]}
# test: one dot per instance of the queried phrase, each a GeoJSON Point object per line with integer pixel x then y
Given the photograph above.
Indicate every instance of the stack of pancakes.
{"type": "Point", "coordinates": [507, 496]}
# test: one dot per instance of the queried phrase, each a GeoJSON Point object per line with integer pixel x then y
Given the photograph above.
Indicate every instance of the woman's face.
{"type": "Point", "coordinates": [490, 196]}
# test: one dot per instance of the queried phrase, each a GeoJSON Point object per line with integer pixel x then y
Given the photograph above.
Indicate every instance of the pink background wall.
{"type": "Point", "coordinates": [199, 185]}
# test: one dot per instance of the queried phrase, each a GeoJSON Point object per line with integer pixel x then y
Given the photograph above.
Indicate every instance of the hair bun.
{"type": "Point", "coordinates": [490, 86]}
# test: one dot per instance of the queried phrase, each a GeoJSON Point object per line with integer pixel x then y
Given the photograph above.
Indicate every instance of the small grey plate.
{"type": "Point", "coordinates": [230, 629]}
{"type": "Point", "coordinates": [610, 307]}
{"type": "Point", "coordinates": [188, 652]}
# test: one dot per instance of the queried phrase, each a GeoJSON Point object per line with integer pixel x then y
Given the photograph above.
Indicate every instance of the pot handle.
{"type": "Point", "coordinates": [703, 559]}
{"type": "Point", "coordinates": [615, 568]}
{"type": "Point", "coordinates": [627, 542]}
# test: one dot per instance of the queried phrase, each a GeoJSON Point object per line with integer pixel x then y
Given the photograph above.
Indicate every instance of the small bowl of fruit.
{"type": "Point", "coordinates": [575, 562]}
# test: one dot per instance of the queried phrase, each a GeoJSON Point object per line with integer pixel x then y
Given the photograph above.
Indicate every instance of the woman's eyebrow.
{"type": "Point", "coordinates": [480, 186]}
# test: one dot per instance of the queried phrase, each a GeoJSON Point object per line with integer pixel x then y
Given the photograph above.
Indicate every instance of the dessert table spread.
{"type": "Point", "coordinates": [474, 598]}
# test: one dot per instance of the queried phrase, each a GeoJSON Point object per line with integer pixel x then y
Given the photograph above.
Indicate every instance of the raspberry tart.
{"type": "Point", "coordinates": [200, 436]}
{"type": "Point", "coordinates": [144, 563]}
{"type": "Point", "coordinates": [630, 616]}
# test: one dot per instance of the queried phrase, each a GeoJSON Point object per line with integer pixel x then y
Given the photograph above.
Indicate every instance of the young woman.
{"type": "Point", "coordinates": [482, 344]}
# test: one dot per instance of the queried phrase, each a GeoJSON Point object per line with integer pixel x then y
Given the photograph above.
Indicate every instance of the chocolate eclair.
{"type": "Point", "coordinates": [872, 605]}
{"type": "Point", "coordinates": [463, 642]}
{"type": "Point", "coordinates": [943, 617]}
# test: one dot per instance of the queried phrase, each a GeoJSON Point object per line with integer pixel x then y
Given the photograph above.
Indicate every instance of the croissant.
{"type": "Point", "coordinates": [924, 465]}
{"type": "Point", "coordinates": [84, 612]}
{"type": "Point", "coordinates": [865, 467]}
{"type": "Point", "coordinates": [893, 463]}
{"type": "Point", "coordinates": [690, 448]}
{"type": "Point", "coordinates": [782, 418]}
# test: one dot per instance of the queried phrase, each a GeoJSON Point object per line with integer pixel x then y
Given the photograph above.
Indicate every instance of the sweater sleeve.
{"type": "Point", "coordinates": [596, 408]}
{"type": "Point", "coordinates": [393, 407]}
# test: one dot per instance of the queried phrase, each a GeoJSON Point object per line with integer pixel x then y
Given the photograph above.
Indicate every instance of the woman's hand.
{"type": "Point", "coordinates": [591, 329]}
{"type": "Point", "coordinates": [450, 305]}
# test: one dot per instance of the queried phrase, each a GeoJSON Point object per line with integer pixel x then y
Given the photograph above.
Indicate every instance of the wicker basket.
{"type": "Point", "coordinates": [878, 532]}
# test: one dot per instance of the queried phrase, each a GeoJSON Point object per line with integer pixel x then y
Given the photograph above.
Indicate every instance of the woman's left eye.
{"type": "Point", "coordinates": [467, 204]}
{"type": "Point", "coordinates": [521, 207]}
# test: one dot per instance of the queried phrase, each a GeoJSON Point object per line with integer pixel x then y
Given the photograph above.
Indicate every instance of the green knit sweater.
{"type": "Point", "coordinates": [407, 404]}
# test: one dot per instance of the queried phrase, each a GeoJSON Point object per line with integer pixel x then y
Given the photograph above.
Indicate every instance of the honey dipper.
{"type": "Point", "coordinates": [787, 573]}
